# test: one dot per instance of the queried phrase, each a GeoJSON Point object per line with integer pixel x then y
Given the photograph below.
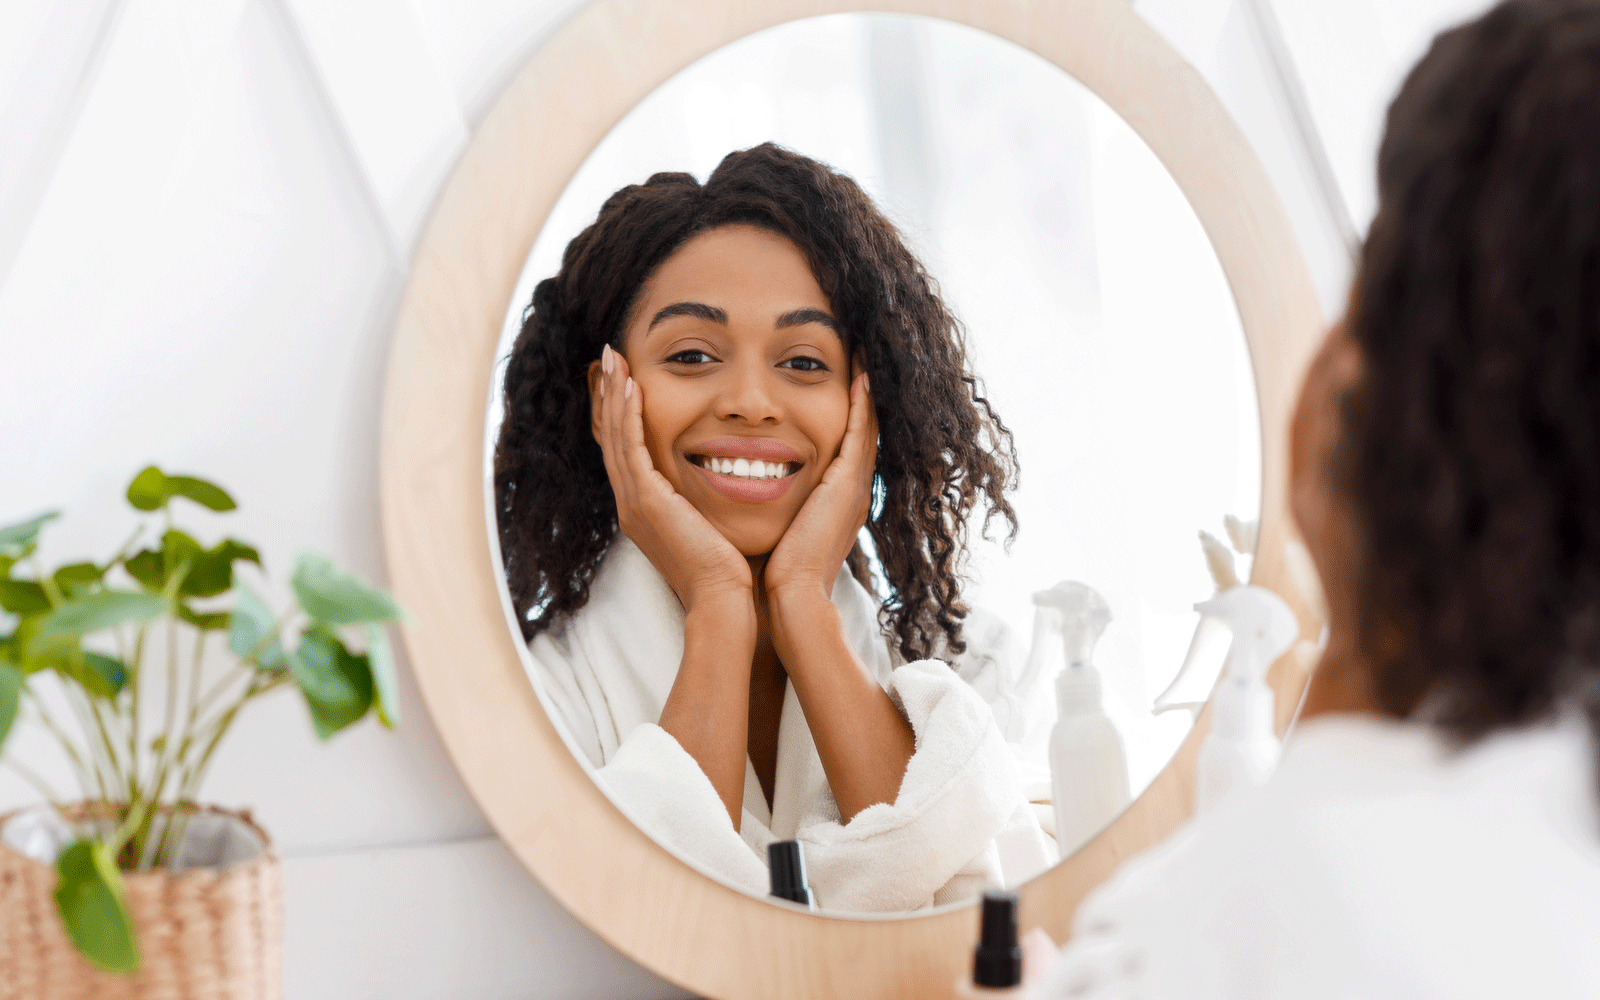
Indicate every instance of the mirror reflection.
{"type": "Point", "coordinates": [848, 485]}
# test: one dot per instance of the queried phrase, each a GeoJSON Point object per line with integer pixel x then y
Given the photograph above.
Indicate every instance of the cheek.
{"type": "Point", "coordinates": [824, 424]}
{"type": "Point", "coordinates": [664, 421]}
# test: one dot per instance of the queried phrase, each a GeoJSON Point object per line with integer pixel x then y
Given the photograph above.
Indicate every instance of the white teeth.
{"type": "Point", "coordinates": [746, 468]}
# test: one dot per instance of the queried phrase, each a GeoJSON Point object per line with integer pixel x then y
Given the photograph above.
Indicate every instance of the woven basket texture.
{"type": "Point", "coordinates": [203, 934]}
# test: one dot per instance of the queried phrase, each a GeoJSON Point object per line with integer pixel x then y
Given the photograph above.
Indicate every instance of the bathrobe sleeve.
{"type": "Point", "coordinates": [960, 801]}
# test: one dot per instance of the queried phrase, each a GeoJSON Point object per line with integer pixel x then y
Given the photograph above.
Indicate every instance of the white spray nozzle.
{"type": "Point", "coordinates": [1243, 535]}
{"type": "Point", "coordinates": [1082, 615]}
{"type": "Point", "coordinates": [1219, 560]}
{"type": "Point", "coordinates": [1262, 624]}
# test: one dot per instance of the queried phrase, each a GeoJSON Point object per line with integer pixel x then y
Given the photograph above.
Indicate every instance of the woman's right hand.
{"type": "Point", "coordinates": [703, 567]}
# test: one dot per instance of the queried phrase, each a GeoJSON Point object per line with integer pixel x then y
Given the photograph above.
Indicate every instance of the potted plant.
{"type": "Point", "coordinates": [144, 890]}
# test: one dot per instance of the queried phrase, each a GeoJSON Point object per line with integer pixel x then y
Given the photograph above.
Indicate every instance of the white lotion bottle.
{"type": "Point", "coordinates": [1088, 766]}
{"type": "Point", "coordinates": [1241, 749]}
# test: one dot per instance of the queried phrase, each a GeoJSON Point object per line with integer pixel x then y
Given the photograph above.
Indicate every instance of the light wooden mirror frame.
{"type": "Point", "coordinates": [654, 908]}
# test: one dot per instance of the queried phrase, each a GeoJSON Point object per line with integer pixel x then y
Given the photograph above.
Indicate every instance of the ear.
{"type": "Point", "coordinates": [594, 400]}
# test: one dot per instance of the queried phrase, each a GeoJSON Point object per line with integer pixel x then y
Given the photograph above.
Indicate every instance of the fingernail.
{"type": "Point", "coordinates": [866, 382]}
{"type": "Point", "coordinates": [627, 390]}
{"type": "Point", "coordinates": [605, 359]}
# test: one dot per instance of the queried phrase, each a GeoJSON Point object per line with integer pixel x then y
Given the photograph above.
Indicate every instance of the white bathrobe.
{"type": "Point", "coordinates": [960, 823]}
{"type": "Point", "coordinates": [1376, 864]}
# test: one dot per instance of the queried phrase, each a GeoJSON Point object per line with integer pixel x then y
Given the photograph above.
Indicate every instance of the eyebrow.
{"type": "Point", "coordinates": [699, 310]}
{"type": "Point", "coordinates": [800, 317]}
{"type": "Point", "coordinates": [711, 314]}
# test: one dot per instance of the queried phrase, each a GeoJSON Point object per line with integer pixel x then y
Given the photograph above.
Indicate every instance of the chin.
{"type": "Point", "coordinates": [751, 544]}
{"type": "Point", "coordinates": [754, 537]}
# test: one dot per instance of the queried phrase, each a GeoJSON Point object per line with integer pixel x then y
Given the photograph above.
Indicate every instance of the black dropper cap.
{"type": "Point", "coordinates": [998, 961]}
{"type": "Point", "coordinates": [788, 865]}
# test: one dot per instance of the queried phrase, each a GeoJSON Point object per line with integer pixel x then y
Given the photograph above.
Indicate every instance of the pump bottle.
{"type": "Point", "coordinates": [1088, 766]}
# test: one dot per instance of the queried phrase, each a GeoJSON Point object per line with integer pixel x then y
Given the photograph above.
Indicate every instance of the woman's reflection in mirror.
{"type": "Point", "coordinates": [1432, 831]}
{"type": "Point", "coordinates": [723, 384]}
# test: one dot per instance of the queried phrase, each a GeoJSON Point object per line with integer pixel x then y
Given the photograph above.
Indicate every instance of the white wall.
{"type": "Point", "coordinates": [205, 217]}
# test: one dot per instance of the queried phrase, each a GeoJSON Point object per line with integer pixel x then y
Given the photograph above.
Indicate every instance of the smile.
{"type": "Point", "coordinates": [744, 468]}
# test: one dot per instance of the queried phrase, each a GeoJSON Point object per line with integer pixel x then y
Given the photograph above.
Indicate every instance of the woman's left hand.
{"type": "Point", "coordinates": [806, 561]}
{"type": "Point", "coordinates": [865, 744]}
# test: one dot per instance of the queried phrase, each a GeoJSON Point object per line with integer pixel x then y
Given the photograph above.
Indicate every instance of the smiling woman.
{"type": "Point", "coordinates": [698, 412]}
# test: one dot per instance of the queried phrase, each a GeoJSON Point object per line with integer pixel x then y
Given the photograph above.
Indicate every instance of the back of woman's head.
{"type": "Point", "coordinates": [1471, 448]}
{"type": "Point", "coordinates": [941, 447]}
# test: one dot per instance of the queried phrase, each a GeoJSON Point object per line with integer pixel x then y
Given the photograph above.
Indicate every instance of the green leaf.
{"type": "Point", "coordinates": [212, 572]}
{"type": "Point", "coordinates": [18, 540]}
{"type": "Point", "coordinates": [33, 651]}
{"type": "Point", "coordinates": [6, 562]}
{"type": "Point", "coordinates": [205, 494]}
{"type": "Point", "coordinates": [385, 692]}
{"type": "Point", "coordinates": [337, 685]}
{"type": "Point", "coordinates": [203, 620]}
{"type": "Point", "coordinates": [148, 491]}
{"type": "Point", "coordinates": [146, 567]}
{"type": "Point", "coordinates": [248, 627]}
{"type": "Point", "coordinates": [334, 597]}
{"type": "Point", "coordinates": [89, 899]}
{"type": "Point", "coordinates": [23, 597]}
{"type": "Point", "coordinates": [176, 549]}
{"type": "Point", "coordinates": [77, 578]}
{"type": "Point", "coordinates": [10, 694]}
{"type": "Point", "coordinates": [152, 488]}
{"type": "Point", "coordinates": [100, 675]}
{"type": "Point", "coordinates": [101, 609]}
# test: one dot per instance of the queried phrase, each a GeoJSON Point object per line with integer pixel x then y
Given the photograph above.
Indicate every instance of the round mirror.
{"type": "Point", "coordinates": [1102, 333]}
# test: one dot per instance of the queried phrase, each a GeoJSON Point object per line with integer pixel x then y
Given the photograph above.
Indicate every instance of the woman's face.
{"type": "Point", "coordinates": [745, 378]}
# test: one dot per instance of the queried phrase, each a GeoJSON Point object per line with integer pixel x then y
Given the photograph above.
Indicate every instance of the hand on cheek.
{"type": "Point", "coordinates": [699, 564]}
{"type": "Point", "coordinates": [807, 559]}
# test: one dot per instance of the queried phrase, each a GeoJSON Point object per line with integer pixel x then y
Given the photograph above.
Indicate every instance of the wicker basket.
{"type": "Point", "coordinates": [203, 933]}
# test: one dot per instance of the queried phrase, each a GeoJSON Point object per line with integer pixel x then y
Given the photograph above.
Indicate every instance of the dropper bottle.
{"type": "Point", "coordinates": [997, 961]}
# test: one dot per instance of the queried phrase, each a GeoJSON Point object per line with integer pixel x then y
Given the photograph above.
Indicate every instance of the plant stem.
{"type": "Point", "coordinates": [135, 683]}
{"type": "Point", "coordinates": [81, 770]}
{"type": "Point", "coordinates": [239, 670]}
{"type": "Point", "coordinates": [38, 783]}
{"type": "Point", "coordinates": [52, 593]}
{"type": "Point", "coordinates": [175, 746]}
{"type": "Point", "coordinates": [196, 774]}
{"type": "Point", "coordinates": [122, 553]}
{"type": "Point", "coordinates": [104, 767]}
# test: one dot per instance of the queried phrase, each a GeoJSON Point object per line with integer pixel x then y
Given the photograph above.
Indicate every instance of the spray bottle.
{"type": "Point", "coordinates": [1242, 747]}
{"type": "Point", "coordinates": [1088, 766]}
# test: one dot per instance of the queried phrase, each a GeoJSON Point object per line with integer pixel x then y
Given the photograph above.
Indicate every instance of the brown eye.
{"type": "Point", "coordinates": [804, 364]}
{"type": "Point", "coordinates": [691, 358]}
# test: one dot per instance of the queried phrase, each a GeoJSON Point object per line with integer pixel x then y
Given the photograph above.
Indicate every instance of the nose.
{"type": "Point", "coordinates": [746, 395]}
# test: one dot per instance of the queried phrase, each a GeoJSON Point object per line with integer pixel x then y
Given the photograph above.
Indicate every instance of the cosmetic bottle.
{"type": "Point", "coordinates": [1088, 766]}
{"type": "Point", "coordinates": [1242, 747]}
{"type": "Point", "coordinates": [786, 863]}
{"type": "Point", "coordinates": [997, 961]}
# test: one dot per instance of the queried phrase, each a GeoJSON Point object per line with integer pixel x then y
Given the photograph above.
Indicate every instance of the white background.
{"type": "Point", "coordinates": [206, 216]}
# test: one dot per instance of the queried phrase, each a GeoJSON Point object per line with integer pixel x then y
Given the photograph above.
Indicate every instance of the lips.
{"type": "Point", "coordinates": [746, 469]}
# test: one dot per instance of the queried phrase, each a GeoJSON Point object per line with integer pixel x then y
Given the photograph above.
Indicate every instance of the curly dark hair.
{"type": "Point", "coordinates": [941, 449]}
{"type": "Point", "coordinates": [1470, 450]}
